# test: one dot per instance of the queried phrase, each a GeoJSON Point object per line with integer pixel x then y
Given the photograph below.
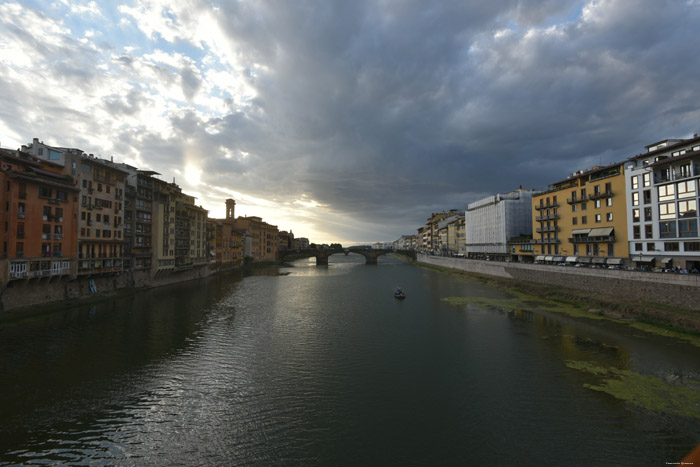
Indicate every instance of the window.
{"type": "Point", "coordinates": [583, 193]}
{"type": "Point", "coordinates": [574, 207]}
{"type": "Point", "coordinates": [671, 246]}
{"type": "Point", "coordinates": [651, 247]}
{"type": "Point", "coordinates": [47, 213]}
{"type": "Point", "coordinates": [44, 192]}
{"type": "Point", "coordinates": [596, 203]}
{"type": "Point", "coordinates": [597, 218]}
{"type": "Point", "coordinates": [688, 228]}
{"type": "Point", "coordinates": [687, 208]}
{"type": "Point", "coordinates": [584, 206]}
{"type": "Point", "coordinates": [686, 189]}
{"type": "Point", "coordinates": [646, 179]}
{"type": "Point", "coordinates": [647, 214]}
{"type": "Point", "coordinates": [638, 247]}
{"type": "Point", "coordinates": [635, 182]}
{"type": "Point", "coordinates": [611, 249]}
{"type": "Point", "coordinates": [635, 199]}
{"type": "Point", "coordinates": [609, 217]}
{"type": "Point", "coordinates": [608, 202]}
{"type": "Point", "coordinates": [667, 229]}
{"type": "Point", "coordinates": [635, 215]}
{"type": "Point", "coordinates": [648, 231]}
{"type": "Point", "coordinates": [667, 211]}
{"type": "Point", "coordinates": [647, 196]}
{"type": "Point", "coordinates": [62, 195]}
{"type": "Point", "coordinates": [667, 192]}
{"type": "Point", "coordinates": [636, 232]}
{"type": "Point", "coordinates": [574, 220]}
{"type": "Point", "coordinates": [684, 170]}
{"type": "Point", "coordinates": [691, 246]}
{"type": "Point", "coordinates": [608, 187]}
{"type": "Point", "coordinates": [584, 219]}
{"type": "Point", "coordinates": [596, 190]}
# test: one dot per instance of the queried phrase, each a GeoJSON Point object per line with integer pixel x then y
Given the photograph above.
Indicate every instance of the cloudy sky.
{"type": "Point", "coordinates": [351, 121]}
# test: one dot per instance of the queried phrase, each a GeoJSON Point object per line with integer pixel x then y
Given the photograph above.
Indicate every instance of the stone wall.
{"type": "Point", "coordinates": [677, 290]}
{"type": "Point", "coordinates": [34, 292]}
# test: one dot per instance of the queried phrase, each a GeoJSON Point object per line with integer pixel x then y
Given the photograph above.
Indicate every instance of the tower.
{"type": "Point", "coordinates": [230, 209]}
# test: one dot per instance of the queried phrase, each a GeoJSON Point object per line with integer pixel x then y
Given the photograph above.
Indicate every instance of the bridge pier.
{"type": "Point", "coordinates": [322, 260]}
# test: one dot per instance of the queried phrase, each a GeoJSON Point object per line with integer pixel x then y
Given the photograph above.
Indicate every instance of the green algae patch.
{"type": "Point", "coordinates": [519, 300]}
{"type": "Point", "coordinates": [692, 339]}
{"type": "Point", "coordinates": [674, 395]}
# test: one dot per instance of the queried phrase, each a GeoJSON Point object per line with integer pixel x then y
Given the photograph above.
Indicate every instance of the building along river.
{"type": "Point", "coordinates": [310, 365]}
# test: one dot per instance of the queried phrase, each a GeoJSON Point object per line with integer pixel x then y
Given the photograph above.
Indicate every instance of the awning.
{"type": "Point", "coordinates": [580, 232]}
{"type": "Point", "coordinates": [539, 258]}
{"type": "Point", "coordinates": [645, 259]}
{"type": "Point", "coordinates": [558, 259]}
{"type": "Point", "coordinates": [571, 259]}
{"type": "Point", "coordinates": [598, 260]}
{"type": "Point", "coordinates": [603, 232]}
{"type": "Point", "coordinates": [548, 258]}
{"type": "Point", "coordinates": [616, 261]}
{"type": "Point", "coordinates": [666, 260]}
{"type": "Point", "coordinates": [584, 260]}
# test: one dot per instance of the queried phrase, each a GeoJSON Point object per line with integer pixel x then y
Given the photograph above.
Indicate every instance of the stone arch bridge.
{"type": "Point", "coordinates": [322, 256]}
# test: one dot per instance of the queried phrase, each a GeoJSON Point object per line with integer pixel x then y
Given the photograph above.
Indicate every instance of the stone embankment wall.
{"type": "Point", "coordinates": [43, 291]}
{"type": "Point", "coordinates": [676, 290]}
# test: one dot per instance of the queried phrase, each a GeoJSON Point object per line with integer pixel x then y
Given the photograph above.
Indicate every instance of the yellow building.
{"type": "Point", "coordinates": [583, 218]}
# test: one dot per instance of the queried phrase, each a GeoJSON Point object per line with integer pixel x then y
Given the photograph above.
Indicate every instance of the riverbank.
{"type": "Point", "coordinates": [643, 315]}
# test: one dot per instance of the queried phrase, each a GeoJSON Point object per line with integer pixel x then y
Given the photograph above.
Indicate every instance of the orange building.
{"type": "Point", "coordinates": [41, 219]}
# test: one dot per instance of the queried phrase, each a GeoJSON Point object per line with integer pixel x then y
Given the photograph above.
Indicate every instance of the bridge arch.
{"type": "Point", "coordinates": [322, 256]}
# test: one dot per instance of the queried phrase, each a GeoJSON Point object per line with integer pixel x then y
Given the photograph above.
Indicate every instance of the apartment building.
{"type": "Point", "coordinates": [263, 236]}
{"type": "Point", "coordinates": [492, 221]}
{"type": "Point", "coordinates": [191, 237]}
{"type": "Point", "coordinates": [447, 228]}
{"type": "Point", "coordinates": [583, 219]}
{"type": "Point", "coordinates": [228, 240]}
{"type": "Point", "coordinates": [662, 194]}
{"type": "Point", "coordinates": [40, 216]}
{"type": "Point", "coordinates": [100, 222]}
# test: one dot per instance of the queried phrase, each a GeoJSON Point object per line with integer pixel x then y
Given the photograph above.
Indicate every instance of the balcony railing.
{"type": "Point", "coordinates": [548, 229]}
{"type": "Point", "coordinates": [605, 194]}
{"type": "Point", "coordinates": [58, 236]}
{"type": "Point", "coordinates": [21, 215]}
{"type": "Point", "coordinates": [547, 218]}
{"type": "Point", "coordinates": [545, 241]}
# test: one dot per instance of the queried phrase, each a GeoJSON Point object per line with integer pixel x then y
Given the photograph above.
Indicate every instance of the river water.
{"type": "Point", "coordinates": [321, 366]}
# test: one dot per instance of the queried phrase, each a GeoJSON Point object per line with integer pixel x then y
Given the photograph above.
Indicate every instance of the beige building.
{"type": "Point", "coordinates": [264, 237]}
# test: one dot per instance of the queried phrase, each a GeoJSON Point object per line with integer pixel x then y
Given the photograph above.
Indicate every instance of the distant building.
{"type": "Point", "coordinates": [228, 244]}
{"type": "Point", "coordinates": [491, 221]}
{"type": "Point", "coordinates": [264, 237]}
{"type": "Point", "coordinates": [301, 243]}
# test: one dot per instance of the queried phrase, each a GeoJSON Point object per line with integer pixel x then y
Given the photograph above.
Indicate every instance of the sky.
{"type": "Point", "coordinates": [350, 121]}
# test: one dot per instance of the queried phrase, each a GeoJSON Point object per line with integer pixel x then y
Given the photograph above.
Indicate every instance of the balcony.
{"type": "Point", "coordinates": [58, 236]}
{"type": "Point", "coordinates": [575, 200]}
{"type": "Point", "coordinates": [545, 241]}
{"type": "Point", "coordinates": [605, 194]}
{"type": "Point", "coordinates": [21, 215]}
{"type": "Point", "coordinates": [53, 201]}
{"type": "Point", "coordinates": [58, 253]}
{"type": "Point", "coordinates": [547, 218]}
{"type": "Point", "coordinates": [548, 229]}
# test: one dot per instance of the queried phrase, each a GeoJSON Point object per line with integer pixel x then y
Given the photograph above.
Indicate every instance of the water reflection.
{"type": "Point", "coordinates": [322, 366]}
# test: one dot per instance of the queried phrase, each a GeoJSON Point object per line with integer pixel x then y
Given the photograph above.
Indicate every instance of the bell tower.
{"type": "Point", "coordinates": [230, 209]}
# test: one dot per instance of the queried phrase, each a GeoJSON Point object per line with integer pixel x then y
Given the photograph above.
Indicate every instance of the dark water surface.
{"type": "Point", "coordinates": [324, 367]}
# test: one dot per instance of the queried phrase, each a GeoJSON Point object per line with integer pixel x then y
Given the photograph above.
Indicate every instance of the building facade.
{"type": "Point", "coordinates": [662, 195]}
{"type": "Point", "coordinates": [583, 219]}
{"type": "Point", "coordinates": [491, 221]}
{"type": "Point", "coordinates": [40, 218]}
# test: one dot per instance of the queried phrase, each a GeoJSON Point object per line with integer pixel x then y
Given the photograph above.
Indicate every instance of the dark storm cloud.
{"type": "Point", "coordinates": [385, 111]}
{"type": "Point", "coordinates": [405, 104]}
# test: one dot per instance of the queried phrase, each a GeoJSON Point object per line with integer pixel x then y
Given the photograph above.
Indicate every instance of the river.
{"type": "Point", "coordinates": [321, 366]}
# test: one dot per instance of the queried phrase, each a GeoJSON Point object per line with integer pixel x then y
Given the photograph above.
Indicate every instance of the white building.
{"type": "Point", "coordinates": [490, 222]}
{"type": "Point", "coordinates": [662, 199]}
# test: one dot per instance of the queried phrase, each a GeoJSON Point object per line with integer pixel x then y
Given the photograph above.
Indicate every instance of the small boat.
{"type": "Point", "coordinates": [400, 294]}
